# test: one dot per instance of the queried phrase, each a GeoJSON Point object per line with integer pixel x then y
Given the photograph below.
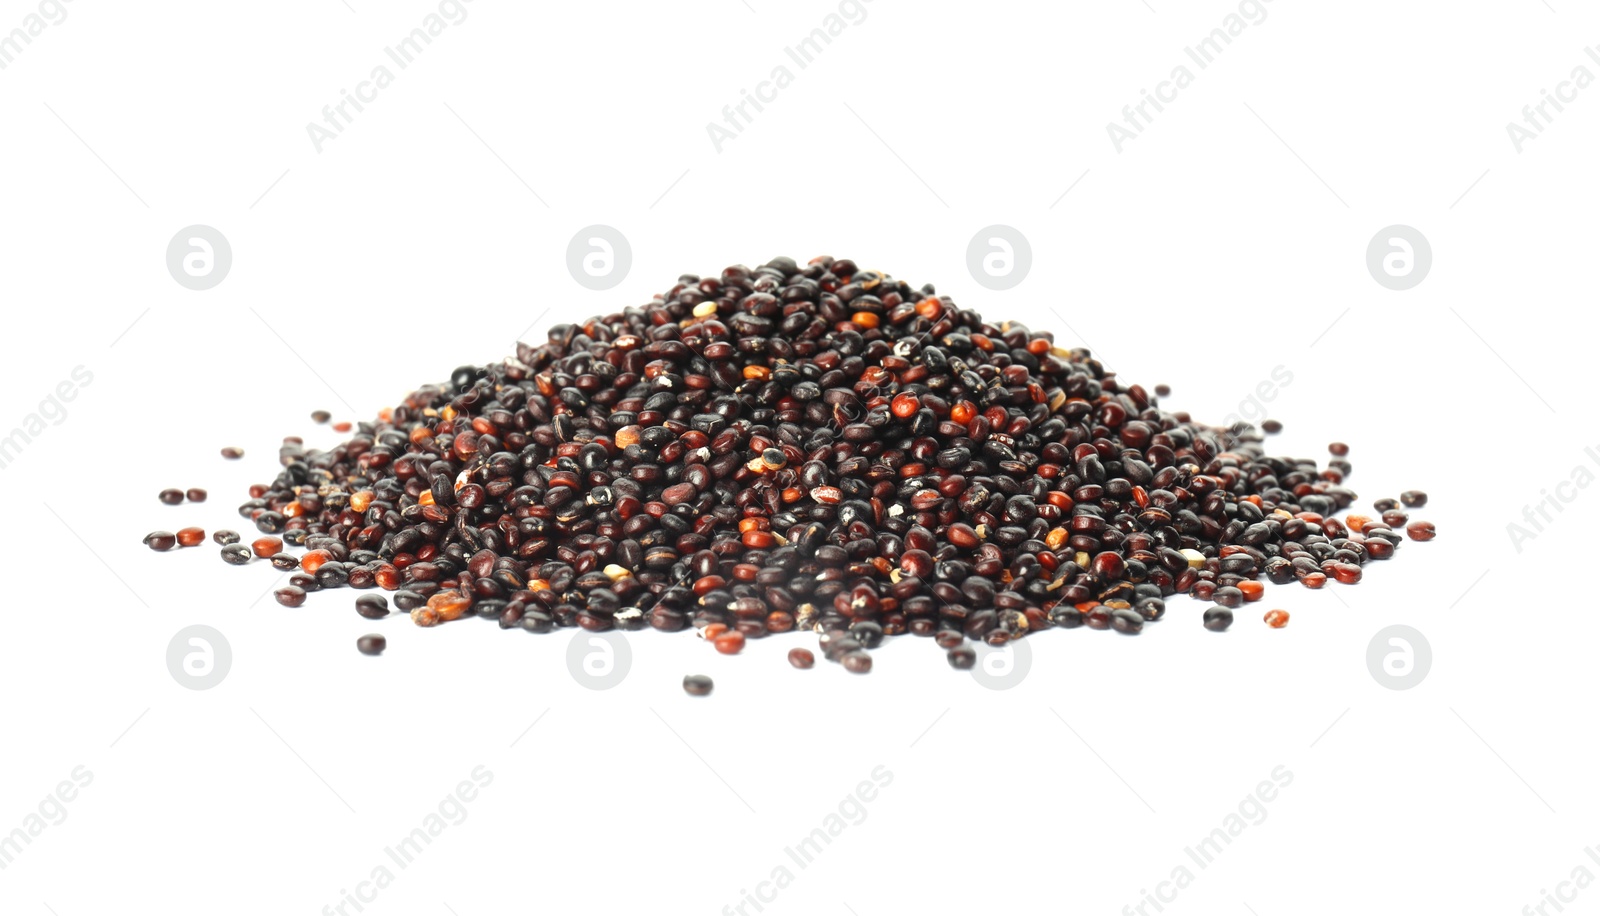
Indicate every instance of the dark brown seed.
{"type": "Point", "coordinates": [371, 644]}
{"type": "Point", "coordinates": [1338, 448]}
{"type": "Point", "coordinates": [320, 416]}
{"type": "Point", "coordinates": [171, 497]}
{"type": "Point", "coordinates": [372, 607]}
{"type": "Point", "coordinates": [1414, 499]}
{"type": "Point", "coordinates": [290, 596]}
{"type": "Point", "coordinates": [856, 662]}
{"type": "Point", "coordinates": [224, 536]}
{"type": "Point", "coordinates": [195, 495]}
{"type": "Point", "coordinates": [1217, 619]}
{"type": "Point", "coordinates": [236, 554]}
{"type": "Point", "coordinates": [1271, 427]}
{"type": "Point", "coordinates": [961, 658]}
{"type": "Point", "coordinates": [802, 658]}
{"type": "Point", "coordinates": [161, 540]}
{"type": "Point", "coordinates": [697, 685]}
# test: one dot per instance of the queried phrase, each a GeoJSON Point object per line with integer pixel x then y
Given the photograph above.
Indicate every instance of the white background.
{"type": "Point", "coordinates": [1227, 240]}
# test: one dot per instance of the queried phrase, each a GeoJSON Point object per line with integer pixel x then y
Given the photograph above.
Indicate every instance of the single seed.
{"type": "Point", "coordinates": [372, 607]}
{"type": "Point", "coordinates": [1271, 427]}
{"type": "Point", "coordinates": [191, 537]}
{"type": "Point", "coordinates": [1338, 448]}
{"type": "Point", "coordinates": [962, 658]}
{"type": "Point", "coordinates": [1162, 391]}
{"type": "Point", "coordinates": [371, 644]}
{"type": "Point", "coordinates": [224, 536]}
{"type": "Point", "coordinates": [802, 658]}
{"type": "Point", "coordinates": [232, 452]}
{"type": "Point", "coordinates": [1277, 619]}
{"type": "Point", "coordinates": [266, 547]}
{"type": "Point", "coordinates": [1217, 619]}
{"type": "Point", "coordinates": [1414, 499]}
{"type": "Point", "coordinates": [236, 554]}
{"type": "Point", "coordinates": [729, 643]}
{"type": "Point", "coordinates": [171, 497]}
{"type": "Point", "coordinates": [290, 596]}
{"type": "Point", "coordinates": [856, 662]}
{"type": "Point", "coordinates": [320, 416]}
{"type": "Point", "coordinates": [1127, 620]}
{"type": "Point", "coordinates": [161, 540]}
{"type": "Point", "coordinates": [1420, 531]}
{"type": "Point", "coordinates": [697, 685]}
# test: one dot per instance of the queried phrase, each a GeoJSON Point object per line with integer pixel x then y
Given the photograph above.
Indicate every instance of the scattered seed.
{"type": "Point", "coordinates": [697, 685]}
{"type": "Point", "coordinates": [160, 540]}
{"type": "Point", "coordinates": [801, 658]}
{"type": "Point", "coordinates": [191, 537]}
{"type": "Point", "coordinates": [171, 497]}
{"type": "Point", "coordinates": [1277, 619]}
{"type": "Point", "coordinates": [1420, 531]}
{"type": "Point", "coordinates": [1217, 619]}
{"type": "Point", "coordinates": [371, 644]}
{"type": "Point", "coordinates": [1413, 499]}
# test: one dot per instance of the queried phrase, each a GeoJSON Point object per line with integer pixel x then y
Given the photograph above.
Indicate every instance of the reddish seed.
{"type": "Point", "coordinates": [266, 547]}
{"type": "Point", "coordinates": [196, 495]}
{"type": "Point", "coordinates": [1420, 531]}
{"type": "Point", "coordinates": [1339, 449]}
{"type": "Point", "coordinates": [729, 643]}
{"type": "Point", "coordinates": [1277, 619]}
{"type": "Point", "coordinates": [1348, 573]}
{"type": "Point", "coordinates": [1253, 590]}
{"type": "Point", "coordinates": [1314, 580]}
{"type": "Point", "coordinates": [232, 452]}
{"type": "Point", "coordinates": [802, 658]}
{"type": "Point", "coordinates": [290, 596]}
{"type": "Point", "coordinates": [191, 537]}
{"type": "Point", "coordinates": [314, 559]}
{"type": "Point", "coordinates": [905, 405]}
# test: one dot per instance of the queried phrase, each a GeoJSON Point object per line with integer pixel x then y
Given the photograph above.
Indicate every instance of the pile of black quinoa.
{"type": "Point", "coordinates": [812, 447]}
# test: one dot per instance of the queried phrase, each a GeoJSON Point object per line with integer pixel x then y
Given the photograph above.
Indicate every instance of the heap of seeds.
{"type": "Point", "coordinates": [811, 447]}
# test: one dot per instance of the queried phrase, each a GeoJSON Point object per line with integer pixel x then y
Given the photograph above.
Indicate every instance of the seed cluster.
{"type": "Point", "coordinates": [811, 447]}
